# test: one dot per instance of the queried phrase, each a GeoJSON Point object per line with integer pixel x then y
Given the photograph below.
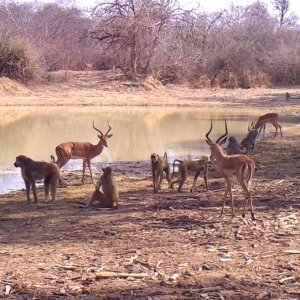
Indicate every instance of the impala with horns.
{"type": "Point", "coordinates": [237, 166]}
{"type": "Point", "coordinates": [267, 118]}
{"type": "Point", "coordinates": [82, 150]}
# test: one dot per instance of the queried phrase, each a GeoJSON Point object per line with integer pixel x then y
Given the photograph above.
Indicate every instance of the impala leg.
{"type": "Point", "coordinates": [83, 170]}
{"type": "Point", "coordinates": [276, 127]}
{"type": "Point", "coordinates": [89, 166]}
{"type": "Point", "coordinates": [229, 184]}
{"type": "Point", "coordinates": [264, 129]}
{"type": "Point", "coordinates": [279, 129]}
{"type": "Point", "coordinates": [247, 197]}
{"type": "Point", "coordinates": [225, 196]}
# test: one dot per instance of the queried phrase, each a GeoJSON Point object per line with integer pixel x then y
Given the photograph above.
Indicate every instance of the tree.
{"type": "Point", "coordinates": [132, 29]}
{"type": "Point", "coordinates": [284, 16]}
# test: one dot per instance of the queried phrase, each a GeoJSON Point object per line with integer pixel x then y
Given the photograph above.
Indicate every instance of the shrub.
{"type": "Point", "coordinates": [15, 60]}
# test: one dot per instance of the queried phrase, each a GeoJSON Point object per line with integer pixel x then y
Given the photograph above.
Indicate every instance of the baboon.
{"type": "Point", "coordinates": [110, 196]}
{"type": "Point", "coordinates": [194, 167]}
{"type": "Point", "coordinates": [234, 147]}
{"type": "Point", "coordinates": [250, 140]}
{"type": "Point", "coordinates": [159, 165]}
{"type": "Point", "coordinates": [32, 170]}
{"type": "Point", "coordinates": [287, 96]}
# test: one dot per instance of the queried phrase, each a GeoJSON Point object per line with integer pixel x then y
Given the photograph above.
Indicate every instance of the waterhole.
{"type": "Point", "coordinates": [137, 132]}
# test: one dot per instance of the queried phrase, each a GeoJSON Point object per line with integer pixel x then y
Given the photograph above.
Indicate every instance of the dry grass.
{"type": "Point", "coordinates": [109, 88]}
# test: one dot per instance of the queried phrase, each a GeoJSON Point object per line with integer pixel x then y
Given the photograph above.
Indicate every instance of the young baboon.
{"type": "Point", "coordinates": [186, 167]}
{"type": "Point", "coordinates": [159, 165]}
{"type": "Point", "coordinates": [110, 197]}
{"type": "Point", "coordinates": [36, 170]}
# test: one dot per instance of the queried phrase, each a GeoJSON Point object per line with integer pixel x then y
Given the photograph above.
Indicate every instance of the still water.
{"type": "Point", "coordinates": [137, 132]}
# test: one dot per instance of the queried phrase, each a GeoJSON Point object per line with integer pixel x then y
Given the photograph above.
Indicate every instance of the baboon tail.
{"type": "Point", "coordinates": [174, 164]}
{"type": "Point", "coordinates": [165, 156]}
{"type": "Point", "coordinates": [52, 158]}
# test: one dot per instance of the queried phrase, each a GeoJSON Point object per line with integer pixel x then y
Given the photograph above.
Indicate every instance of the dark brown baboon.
{"type": "Point", "coordinates": [110, 197]}
{"type": "Point", "coordinates": [36, 170]}
{"type": "Point", "coordinates": [159, 165]}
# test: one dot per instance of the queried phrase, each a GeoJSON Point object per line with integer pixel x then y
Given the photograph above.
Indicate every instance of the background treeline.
{"type": "Point", "coordinates": [242, 46]}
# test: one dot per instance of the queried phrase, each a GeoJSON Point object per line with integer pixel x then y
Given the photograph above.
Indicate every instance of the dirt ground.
{"type": "Point", "coordinates": [177, 243]}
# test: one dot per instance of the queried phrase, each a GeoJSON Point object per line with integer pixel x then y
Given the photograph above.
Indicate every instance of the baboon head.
{"type": "Point", "coordinates": [154, 158]}
{"type": "Point", "coordinates": [20, 160]}
{"type": "Point", "coordinates": [107, 171]}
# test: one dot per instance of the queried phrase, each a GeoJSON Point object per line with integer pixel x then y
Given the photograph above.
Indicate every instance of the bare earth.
{"type": "Point", "coordinates": [177, 243]}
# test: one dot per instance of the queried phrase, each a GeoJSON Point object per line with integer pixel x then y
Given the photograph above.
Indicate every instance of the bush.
{"type": "Point", "coordinates": [15, 61]}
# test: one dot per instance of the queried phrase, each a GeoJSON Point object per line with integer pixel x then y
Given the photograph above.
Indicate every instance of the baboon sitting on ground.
{"type": "Point", "coordinates": [110, 196]}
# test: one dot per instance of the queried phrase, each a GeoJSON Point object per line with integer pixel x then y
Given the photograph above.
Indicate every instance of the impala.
{"type": "Point", "coordinates": [267, 118]}
{"type": "Point", "coordinates": [237, 166]}
{"type": "Point", "coordinates": [84, 150]}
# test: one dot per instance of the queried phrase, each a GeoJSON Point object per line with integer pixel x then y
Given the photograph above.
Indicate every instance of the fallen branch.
{"type": "Point", "coordinates": [110, 274]}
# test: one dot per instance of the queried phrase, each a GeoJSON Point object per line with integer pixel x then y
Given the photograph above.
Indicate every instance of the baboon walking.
{"type": "Point", "coordinates": [159, 165]}
{"type": "Point", "coordinates": [194, 167]}
{"type": "Point", "coordinates": [32, 170]}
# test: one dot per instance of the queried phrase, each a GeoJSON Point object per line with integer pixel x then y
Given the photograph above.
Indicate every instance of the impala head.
{"type": "Point", "coordinates": [103, 137]}
{"type": "Point", "coordinates": [216, 147]}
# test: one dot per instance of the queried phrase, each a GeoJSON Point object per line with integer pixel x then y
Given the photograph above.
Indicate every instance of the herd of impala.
{"type": "Point", "coordinates": [235, 164]}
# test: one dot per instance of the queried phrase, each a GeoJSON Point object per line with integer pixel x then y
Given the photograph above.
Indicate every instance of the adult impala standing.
{"type": "Point", "coordinates": [267, 118]}
{"type": "Point", "coordinates": [82, 150]}
{"type": "Point", "coordinates": [237, 166]}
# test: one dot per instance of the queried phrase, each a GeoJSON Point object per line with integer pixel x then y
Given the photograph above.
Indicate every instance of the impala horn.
{"type": "Point", "coordinates": [97, 129]}
{"type": "Point", "coordinates": [222, 136]}
{"type": "Point", "coordinates": [207, 135]}
{"type": "Point", "coordinates": [109, 128]}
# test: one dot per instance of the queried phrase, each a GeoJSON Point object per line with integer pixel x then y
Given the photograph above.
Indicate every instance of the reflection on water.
{"type": "Point", "coordinates": [137, 132]}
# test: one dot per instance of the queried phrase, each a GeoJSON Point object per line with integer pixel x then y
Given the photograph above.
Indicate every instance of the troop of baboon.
{"type": "Point", "coordinates": [235, 164]}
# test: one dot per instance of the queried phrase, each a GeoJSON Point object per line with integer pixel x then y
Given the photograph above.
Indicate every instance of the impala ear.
{"type": "Point", "coordinates": [109, 135]}
{"type": "Point", "coordinates": [222, 141]}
